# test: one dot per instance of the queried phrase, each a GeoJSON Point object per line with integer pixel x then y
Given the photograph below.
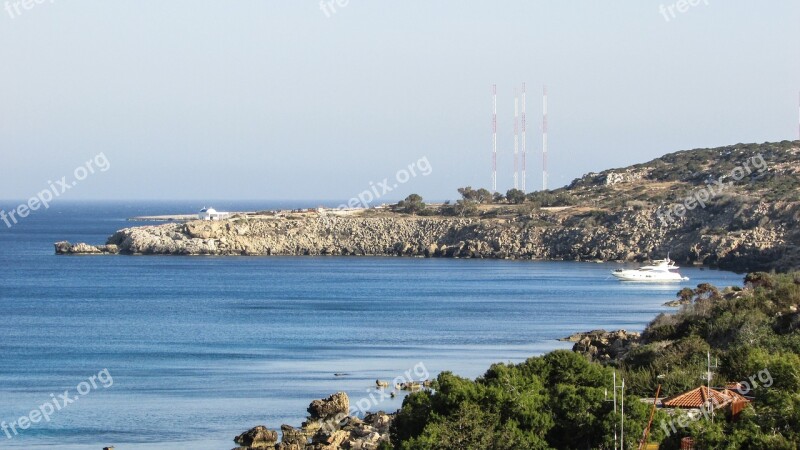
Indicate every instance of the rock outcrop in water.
{"type": "Point", "coordinates": [329, 427]}
{"type": "Point", "coordinates": [65, 248]}
{"type": "Point", "coordinates": [259, 437]}
{"type": "Point", "coordinates": [604, 346]}
{"type": "Point", "coordinates": [327, 408]}
{"type": "Point", "coordinates": [618, 215]}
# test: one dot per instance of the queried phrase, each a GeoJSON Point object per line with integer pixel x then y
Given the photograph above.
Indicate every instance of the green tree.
{"type": "Point", "coordinates": [560, 400]}
{"type": "Point", "coordinates": [483, 196]}
{"type": "Point", "coordinates": [468, 428]}
{"type": "Point", "coordinates": [479, 196]}
{"type": "Point", "coordinates": [412, 204]}
{"type": "Point", "coordinates": [555, 401]}
{"type": "Point", "coordinates": [515, 196]}
{"type": "Point", "coordinates": [465, 208]}
{"type": "Point", "coordinates": [467, 193]}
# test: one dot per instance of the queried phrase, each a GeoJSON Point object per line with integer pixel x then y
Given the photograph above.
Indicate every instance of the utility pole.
{"type": "Point", "coordinates": [622, 423]}
{"type": "Point", "coordinates": [615, 409]}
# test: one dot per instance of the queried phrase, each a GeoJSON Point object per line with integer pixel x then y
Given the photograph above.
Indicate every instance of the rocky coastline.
{"type": "Point", "coordinates": [701, 206]}
{"type": "Point", "coordinates": [330, 426]}
{"type": "Point", "coordinates": [628, 235]}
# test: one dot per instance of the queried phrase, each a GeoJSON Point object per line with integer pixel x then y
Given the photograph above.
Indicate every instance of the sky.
{"type": "Point", "coordinates": [307, 100]}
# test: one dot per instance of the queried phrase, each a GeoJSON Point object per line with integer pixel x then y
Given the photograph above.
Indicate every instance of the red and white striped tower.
{"type": "Point", "coordinates": [494, 138]}
{"type": "Point", "coordinates": [544, 139]}
{"type": "Point", "coordinates": [516, 139]}
{"type": "Point", "coordinates": [524, 151]}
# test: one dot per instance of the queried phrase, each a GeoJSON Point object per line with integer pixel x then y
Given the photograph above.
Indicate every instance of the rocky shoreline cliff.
{"type": "Point", "coordinates": [616, 215]}
{"type": "Point", "coordinates": [628, 235]}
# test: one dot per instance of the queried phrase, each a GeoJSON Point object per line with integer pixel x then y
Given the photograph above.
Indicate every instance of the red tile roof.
{"type": "Point", "coordinates": [734, 385]}
{"type": "Point", "coordinates": [697, 398]}
{"type": "Point", "coordinates": [735, 396]}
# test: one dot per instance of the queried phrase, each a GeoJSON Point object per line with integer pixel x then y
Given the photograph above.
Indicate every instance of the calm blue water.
{"type": "Point", "coordinates": [202, 348]}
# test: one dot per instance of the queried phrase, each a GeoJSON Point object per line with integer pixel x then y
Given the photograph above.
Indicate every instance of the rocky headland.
{"type": "Point", "coordinates": [624, 214]}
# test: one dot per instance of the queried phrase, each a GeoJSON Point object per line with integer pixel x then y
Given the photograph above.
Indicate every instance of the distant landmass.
{"type": "Point", "coordinates": [733, 207]}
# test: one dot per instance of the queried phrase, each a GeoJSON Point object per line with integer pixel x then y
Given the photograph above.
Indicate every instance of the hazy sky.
{"type": "Point", "coordinates": [281, 100]}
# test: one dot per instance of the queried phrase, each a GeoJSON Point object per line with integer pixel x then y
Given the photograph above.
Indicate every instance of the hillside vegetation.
{"type": "Point", "coordinates": [735, 207]}
{"type": "Point", "coordinates": [560, 400]}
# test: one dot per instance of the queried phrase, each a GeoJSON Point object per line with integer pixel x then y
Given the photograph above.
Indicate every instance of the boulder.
{"type": "Point", "coordinates": [109, 248]}
{"type": "Point", "coordinates": [379, 420]}
{"type": "Point", "coordinates": [293, 436]}
{"type": "Point", "coordinates": [601, 345]}
{"type": "Point", "coordinates": [62, 247]}
{"type": "Point", "coordinates": [334, 441]}
{"type": "Point", "coordinates": [259, 437]}
{"type": "Point", "coordinates": [285, 446]}
{"type": "Point", "coordinates": [337, 403]}
{"type": "Point", "coordinates": [82, 248]}
{"type": "Point", "coordinates": [432, 250]}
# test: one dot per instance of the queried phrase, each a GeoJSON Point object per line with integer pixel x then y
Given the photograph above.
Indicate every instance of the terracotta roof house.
{"type": "Point", "coordinates": [700, 397]}
{"type": "Point", "coordinates": [696, 398]}
{"type": "Point", "coordinates": [738, 401]}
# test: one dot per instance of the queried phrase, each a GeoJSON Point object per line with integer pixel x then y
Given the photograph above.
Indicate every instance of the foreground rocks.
{"type": "Point", "coordinates": [327, 408]}
{"type": "Point", "coordinates": [258, 437]}
{"type": "Point", "coordinates": [329, 427]}
{"type": "Point", "coordinates": [603, 346]}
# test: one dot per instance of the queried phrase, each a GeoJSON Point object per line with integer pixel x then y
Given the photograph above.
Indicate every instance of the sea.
{"type": "Point", "coordinates": [186, 352]}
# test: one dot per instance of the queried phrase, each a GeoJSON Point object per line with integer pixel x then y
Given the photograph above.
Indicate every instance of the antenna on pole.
{"type": "Point", "coordinates": [494, 138]}
{"type": "Point", "coordinates": [622, 422]}
{"type": "Point", "coordinates": [708, 387]}
{"type": "Point", "coordinates": [544, 139]}
{"type": "Point", "coordinates": [516, 139]}
{"type": "Point", "coordinates": [524, 150]}
{"type": "Point", "coordinates": [711, 404]}
{"type": "Point", "coordinates": [615, 409]}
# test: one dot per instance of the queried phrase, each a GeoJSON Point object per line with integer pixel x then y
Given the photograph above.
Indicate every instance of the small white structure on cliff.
{"type": "Point", "coordinates": [212, 214]}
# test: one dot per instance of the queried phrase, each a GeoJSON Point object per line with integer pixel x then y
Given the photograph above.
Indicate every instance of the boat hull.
{"type": "Point", "coordinates": [648, 277]}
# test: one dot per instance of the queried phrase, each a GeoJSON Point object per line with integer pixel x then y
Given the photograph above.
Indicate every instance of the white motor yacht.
{"type": "Point", "coordinates": [661, 270]}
